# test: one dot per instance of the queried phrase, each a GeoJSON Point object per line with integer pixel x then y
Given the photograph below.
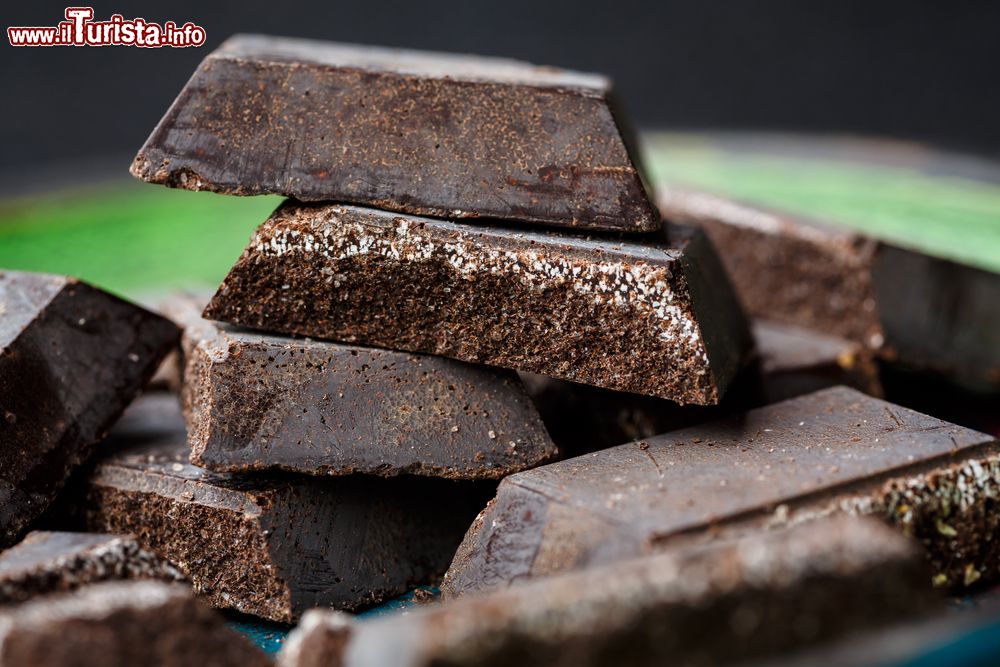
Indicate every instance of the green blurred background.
{"type": "Point", "coordinates": [134, 239]}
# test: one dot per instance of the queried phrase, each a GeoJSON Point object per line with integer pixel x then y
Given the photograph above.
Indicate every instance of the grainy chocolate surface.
{"type": "Point", "coordinates": [729, 602]}
{"type": "Point", "coordinates": [71, 358]}
{"type": "Point", "coordinates": [922, 311]}
{"type": "Point", "coordinates": [657, 319]}
{"type": "Point", "coordinates": [833, 451]}
{"type": "Point", "coordinates": [274, 546]}
{"type": "Point", "coordinates": [429, 134]}
{"type": "Point", "coordinates": [255, 401]}
{"type": "Point", "coordinates": [53, 562]}
{"type": "Point", "coordinates": [121, 624]}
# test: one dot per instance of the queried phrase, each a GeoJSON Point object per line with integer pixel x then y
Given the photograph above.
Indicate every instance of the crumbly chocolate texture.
{"type": "Point", "coordinates": [658, 319]}
{"type": "Point", "coordinates": [274, 546]}
{"type": "Point", "coordinates": [728, 602]}
{"type": "Point", "coordinates": [924, 312]}
{"type": "Point", "coordinates": [71, 358]}
{"type": "Point", "coordinates": [54, 562]}
{"type": "Point", "coordinates": [255, 402]}
{"type": "Point", "coordinates": [423, 133]}
{"type": "Point", "coordinates": [830, 452]}
{"type": "Point", "coordinates": [121, 624]}
{"type": "Point", "coordinates": [790, 362]}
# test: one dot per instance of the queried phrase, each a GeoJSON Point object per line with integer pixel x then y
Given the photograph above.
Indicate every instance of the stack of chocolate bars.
{"type": "Point", "coordinates": [468, 284]}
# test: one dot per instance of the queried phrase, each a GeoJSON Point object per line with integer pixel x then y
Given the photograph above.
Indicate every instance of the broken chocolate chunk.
{"type": "Point", "coordinates": [256, 402]}
{"type": "Point", "coordinates": [71, 358]}
{"type": "Point", "coordinates": [648, 319]}
{"type": "Point", "coordinates": [53, 562]}
{"type": "Point", "coordinates": [728, 602]}
{"type": "Point", "coordinates": [921, 311]}
{"type": "Point", "coordinates": [274, 546]}
{"type": "Point", "coordinates": [833, 451]}
{"type": "Point", "coordinates": [121, 624]}
{"type": "Point", "coordinates": [423, 133]}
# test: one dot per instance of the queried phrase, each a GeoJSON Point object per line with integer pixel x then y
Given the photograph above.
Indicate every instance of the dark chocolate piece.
{"type": "Point", "coordinates": [122, 624]}
{"type": "Point", "coordinates": [256, 402]}
{"type": "Point", "coordinates": [836, 450]}
{"type": "Point", "coordinates": [54, 562]}
{"type": "Point", "coordinates": [728, 602]}
{"type": "Point", "coordinates": [649, 319]}
{"type": "Point", "coordinates": [424, 133]}
{"type": "Point", "coordinates": [71, 359]}
{"type": "Point", "coordinates": [275, 546]}
{"type": "Point", "coordinates": [924, 312]}
{"type": "Point", "coordinates": [791, 362]}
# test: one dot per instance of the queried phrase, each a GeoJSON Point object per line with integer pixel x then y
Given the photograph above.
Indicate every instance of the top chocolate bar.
{"type": "Point", "coordinates": [423, 133]}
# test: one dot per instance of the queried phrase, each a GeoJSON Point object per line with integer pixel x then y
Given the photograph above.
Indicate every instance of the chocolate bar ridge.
{"type": "Point", "coordinates": [423, 133]}
{"type": "Point", "coordinates": [613, 314]}
{"type": "Point", "coordinates": [829, 452]}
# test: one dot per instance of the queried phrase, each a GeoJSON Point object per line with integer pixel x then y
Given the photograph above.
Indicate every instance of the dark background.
{"type": "Point", "coordinates": [895, 68]}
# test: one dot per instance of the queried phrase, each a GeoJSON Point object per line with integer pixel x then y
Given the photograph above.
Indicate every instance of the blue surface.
{"type": "Point", "coordinates": [976, 646]}
{"type": "Point", "coordinates": [271, 636]}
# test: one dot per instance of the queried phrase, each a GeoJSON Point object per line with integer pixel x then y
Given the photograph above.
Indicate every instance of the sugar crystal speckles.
{"type": "Point", "coordinates": [637, 285]}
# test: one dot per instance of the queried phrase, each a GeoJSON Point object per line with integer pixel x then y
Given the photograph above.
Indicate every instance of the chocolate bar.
{"type": "Point", "coordinates": [833, 451]}
{"type": "Point", "coordinates": [121, 624]}
{"type": "Point", "coordinates": [52, 562]}
{"type": "Point", "coordinates": [71, 358]}
{"type": "Point", "coordinates": [274, 546]}
{"type": "Point", "coordinates": [423, 133]}
{"type": "Point", "coordinates": [790, 362]}
{"type": "Point", "coordinates": [921, 311]}
{"type": "Point", "coordinates": [728, 602]}
{"type": "Point", "coordinates": [656, 319]}
{"type": "Point", "coordinates": [255, 402]}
